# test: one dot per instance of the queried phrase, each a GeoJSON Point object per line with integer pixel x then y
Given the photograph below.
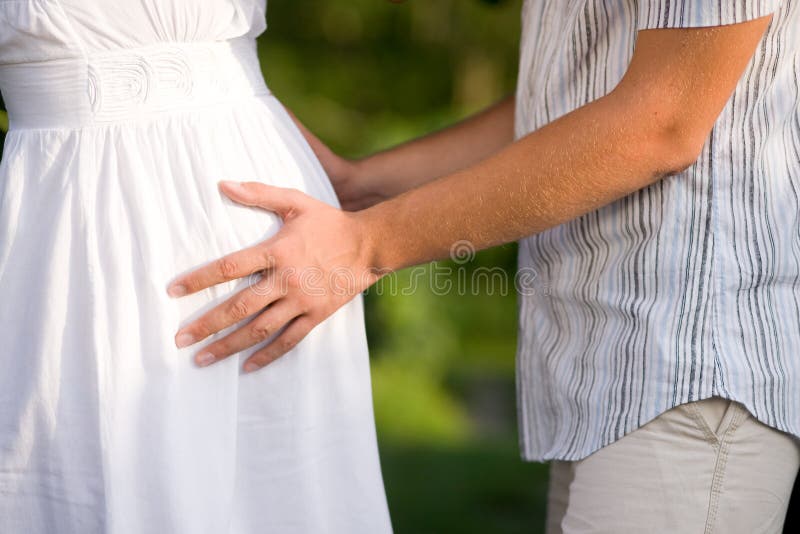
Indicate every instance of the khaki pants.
{"type": "Point", "coordinates": [703, 467]}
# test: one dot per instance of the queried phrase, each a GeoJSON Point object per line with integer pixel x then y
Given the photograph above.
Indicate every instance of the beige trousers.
{"type": "Point", "coordinates": [703, 467]}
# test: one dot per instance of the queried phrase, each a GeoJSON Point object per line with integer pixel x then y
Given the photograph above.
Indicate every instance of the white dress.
{"type": "Point", "coordinates": [124, 117]}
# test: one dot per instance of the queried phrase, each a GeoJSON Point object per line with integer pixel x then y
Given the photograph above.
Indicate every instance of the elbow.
{"type": "Point", "coordinates": [669, 138]}
{"type": "Point", "coordinates": [679, 147]}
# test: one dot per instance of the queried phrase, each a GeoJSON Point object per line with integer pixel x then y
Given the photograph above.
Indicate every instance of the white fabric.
{"type": "Point", "coordinates": [124, 117]}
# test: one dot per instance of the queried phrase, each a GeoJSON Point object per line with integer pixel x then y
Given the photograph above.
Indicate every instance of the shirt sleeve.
{"type": "Point", "coordinates": [698, 13]}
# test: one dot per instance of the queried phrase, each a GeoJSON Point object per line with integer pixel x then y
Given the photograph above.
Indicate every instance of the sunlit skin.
{"type": "Point", "coordinates": [471, 182]}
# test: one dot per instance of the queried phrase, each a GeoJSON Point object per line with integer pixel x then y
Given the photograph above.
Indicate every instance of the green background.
{"type": "Point", "coordinates": [365, 75]}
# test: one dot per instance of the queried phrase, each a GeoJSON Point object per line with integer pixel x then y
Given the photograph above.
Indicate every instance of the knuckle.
{"type": "Point", "coordinates": [294, 279]}
{"type": "Point", "coordinates": [303, 309]}
{"type": "Point", "coordinates": [226, 268]}
{"type": "Point", "coordinates": [288, 343]}
{"type": "Point", "coordinates": [201, 329]}
{"type": "Point", "coordinates": [239, 310]}
{"type": "Point", "coordinates": [268, 258]}
{"type": "Point", "coordinates": [260, 332]}
{"type": "Point", "coordinates": [275, 253]}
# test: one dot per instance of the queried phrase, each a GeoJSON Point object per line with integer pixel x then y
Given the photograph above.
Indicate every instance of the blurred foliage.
{"type": "Point", "coordinates": [366, 74]}
{"type": "Point", "coordinates": [472, 489]}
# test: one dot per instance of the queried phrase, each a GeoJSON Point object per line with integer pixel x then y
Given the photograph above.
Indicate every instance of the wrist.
{"type": "Point", "coordinates": [340, 168]}
{"type": "Point", "coordinates": [374, 244]}
{"type": "Point", "coordinates": [366, 178]}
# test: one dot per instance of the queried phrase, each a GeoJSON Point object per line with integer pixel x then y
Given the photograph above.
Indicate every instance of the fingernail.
{"type": "Point", "coordinates": [249, 367]}
{"type": "Point", "coordinates": [204, 358]}
{"type": "Point", "coordinates": [176, 291]}
{"type": "Point", "coordinates": [184, 340]}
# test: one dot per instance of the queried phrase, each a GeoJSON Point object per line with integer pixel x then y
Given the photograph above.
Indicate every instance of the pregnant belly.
{"type": "Point", "coordinates": [102, 219]}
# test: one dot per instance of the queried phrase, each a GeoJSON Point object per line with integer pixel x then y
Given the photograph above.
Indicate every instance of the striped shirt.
{"type": "Point", "coordinates": [686, 289]}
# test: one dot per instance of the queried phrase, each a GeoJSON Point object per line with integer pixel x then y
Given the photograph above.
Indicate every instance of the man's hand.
{"type": "Point", "coordinates": [314, 265]}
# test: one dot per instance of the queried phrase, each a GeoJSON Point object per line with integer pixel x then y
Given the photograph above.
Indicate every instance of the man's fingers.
{"type": "Point", "coordinates": [245, 303]}
{"type": "Point", "coordinates": [287, 203]}
{"type": "Point", "coordinates": [231, 267]}
{"type": "Point", "coordinates": [286, 341]}
{"type": "Point", "coordinates": [280, 200]}
{"type": "Point", "coordinates": [259, 329]}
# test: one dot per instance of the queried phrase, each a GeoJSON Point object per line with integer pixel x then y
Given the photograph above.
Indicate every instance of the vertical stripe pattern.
{"type": "Point", "coordinates": [685, 289]}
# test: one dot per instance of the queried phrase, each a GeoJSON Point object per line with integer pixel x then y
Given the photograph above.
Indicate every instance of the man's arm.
{"type": "Point", "coordinates": [653, 124]}
{"type": "Point", "coordinates": [362, 183]}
